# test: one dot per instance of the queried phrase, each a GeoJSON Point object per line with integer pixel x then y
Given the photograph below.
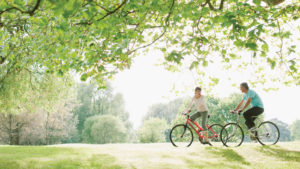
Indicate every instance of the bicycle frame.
{"type": "Point", "coordinates": [190, 122]}
{"type": "Point", "coordinates": [237, 122]}
{"type": "Point", "coordinates": [254, 133]}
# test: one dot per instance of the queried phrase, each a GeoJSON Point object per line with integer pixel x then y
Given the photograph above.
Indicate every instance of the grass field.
{"type": "Point", "coordinates": [150, 156]}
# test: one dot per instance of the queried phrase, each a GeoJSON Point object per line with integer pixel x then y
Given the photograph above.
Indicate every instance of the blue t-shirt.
{"type": "Point", "coordinates": [256, 101]}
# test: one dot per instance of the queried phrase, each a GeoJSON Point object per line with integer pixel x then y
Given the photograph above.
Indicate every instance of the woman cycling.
{"type": "Point", "coordinates": [199, 103]}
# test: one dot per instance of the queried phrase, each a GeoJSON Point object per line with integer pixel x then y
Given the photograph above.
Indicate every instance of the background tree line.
{"type": "Point", "coordinates": [38, 108]}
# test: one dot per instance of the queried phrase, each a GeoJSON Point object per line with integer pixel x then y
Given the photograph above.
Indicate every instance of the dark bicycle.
{"type": "Point", "coordinates": [232, 135]}
{"type": "Point", "coordinates": [181, 135]}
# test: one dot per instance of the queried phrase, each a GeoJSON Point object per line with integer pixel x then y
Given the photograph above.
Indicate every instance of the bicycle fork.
{"type": "Point", "coordinates": [183, 130]}
{"type": "Point", "coordinates": [232, 134]}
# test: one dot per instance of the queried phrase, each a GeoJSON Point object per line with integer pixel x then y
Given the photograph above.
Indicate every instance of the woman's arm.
{"type": "Point", "coordinates": [190, 106]}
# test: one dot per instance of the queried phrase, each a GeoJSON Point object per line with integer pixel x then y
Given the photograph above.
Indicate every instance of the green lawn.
{"type": "Point", "coordinates": [150, 156]}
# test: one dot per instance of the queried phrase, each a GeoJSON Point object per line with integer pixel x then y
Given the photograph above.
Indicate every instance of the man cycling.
{"type": "Point", "coordinates": [257, 108]}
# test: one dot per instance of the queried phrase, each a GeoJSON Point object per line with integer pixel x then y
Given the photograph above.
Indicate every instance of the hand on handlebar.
{"type": "Point", "coordinates": [236, 111]}
{"type": "Point", "coordinates": [185, 113]}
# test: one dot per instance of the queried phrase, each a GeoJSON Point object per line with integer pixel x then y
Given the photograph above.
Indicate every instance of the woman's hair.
{"type": "Point", "coordinates": [245, 85]}
{"type": "Point", "coordinates": [198, 88]}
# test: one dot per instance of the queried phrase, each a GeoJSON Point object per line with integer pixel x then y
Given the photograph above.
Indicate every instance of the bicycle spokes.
{"type": "Point", "coordinates": [232, 135]}
{"type": "Point", "coordinates": [268, 133]}
{"type": "Point", "coordinates": [181, 136]}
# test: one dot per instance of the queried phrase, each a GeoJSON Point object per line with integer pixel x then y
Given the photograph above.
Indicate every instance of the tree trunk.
{"type": "Point", "coordinates": [18, 129]}
{"type": "Point", "coordinates": [11, 138]}
{"type": "Point", "coordinates": [47, 134]}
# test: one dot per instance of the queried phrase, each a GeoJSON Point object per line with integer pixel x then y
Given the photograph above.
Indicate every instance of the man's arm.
{"type": "Point", "coordinates": [247, 104]}
{"type": "Point", "coordinates": [241, 103]}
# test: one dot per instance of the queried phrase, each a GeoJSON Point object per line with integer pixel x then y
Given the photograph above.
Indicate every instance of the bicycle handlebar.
{"type": "Point", "coordinates": [237, 112]}
{"type": "Point", "coordinates": [186, 114]}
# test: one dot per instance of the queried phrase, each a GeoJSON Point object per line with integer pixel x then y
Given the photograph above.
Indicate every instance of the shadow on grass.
{"type": "Point", "coordinates": [232, 159]}
{"type": "Point", "coordinates": [229, 154]}
{"type": "Point", "coordinates": [280, 153]}
{"type": "Point", "coordinates": [196, 164]}
{"type": "Point", "coordinates": [53, 157]}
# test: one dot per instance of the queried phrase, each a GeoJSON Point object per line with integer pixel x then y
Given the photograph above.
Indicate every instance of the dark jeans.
{"type": "Point", "coordinates": [251, 114]}
{"type": "Point", "coordinates": [204, 117]}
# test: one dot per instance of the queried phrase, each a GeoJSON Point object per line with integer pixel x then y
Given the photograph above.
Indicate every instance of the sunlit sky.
{"type": "Point", "coordinates": [145, 84]}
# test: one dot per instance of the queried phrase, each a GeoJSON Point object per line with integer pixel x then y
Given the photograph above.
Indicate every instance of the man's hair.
{"type": "Point", "coordinates": [198, 88]}
{"type": "Point", "coordinates": [245, 85]}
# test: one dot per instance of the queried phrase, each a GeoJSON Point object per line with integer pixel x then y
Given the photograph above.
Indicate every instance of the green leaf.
{"type": "Point", "coordinates": [233, 56]}
{"type": "Point", "coordinates": [272, 63]}
{"type": "Point", "coordinates": [204, 63]}
{"type": "Point", "coordinates": [83, 77]}
{"type": "Point", "coordinates": [215, 80]}
{"type": "Point", "coordinates": [193, 65]}
{"type": "Point", "coordinates": [252, 46]}
{"type": "Point", "coordinates": [238, 43]}
{"type": "Point", "coordinates": [174, 56]}
{"type": "Point", "coordinates": [265, 47]}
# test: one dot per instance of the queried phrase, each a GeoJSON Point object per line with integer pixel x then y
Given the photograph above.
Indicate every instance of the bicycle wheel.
{"type": "Point", "coordinates": [214, 133]}
{"type": "Point", "coordinates": [267, 133]}
{"type": "Point", "coordinates": [232, 135]}
{"type": "Point", "coordinates": [181, 136]}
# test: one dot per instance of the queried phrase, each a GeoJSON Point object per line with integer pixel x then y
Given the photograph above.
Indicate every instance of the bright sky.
{"type": "Point", "coordinates": [145, 84]}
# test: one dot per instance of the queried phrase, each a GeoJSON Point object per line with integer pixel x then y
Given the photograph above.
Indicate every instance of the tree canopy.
{"type": "Point", "coordinates": [97, 38]}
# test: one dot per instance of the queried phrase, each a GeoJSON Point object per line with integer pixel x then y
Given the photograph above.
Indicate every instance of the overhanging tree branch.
{"type": "Point", "coordinates": [113, 11]}
{"type": "Point", "coordinates": [213, 8]}
{"type": "Point", "coordinates": [30, 12]}
{"type": "Point", "coordinates": [108, 13]}
{"type": "Point", "coordinates": [161, 35]}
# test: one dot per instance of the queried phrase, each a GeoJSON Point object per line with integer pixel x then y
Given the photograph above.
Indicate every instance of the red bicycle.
{"type": "Point", "coordinates": [181, 135]}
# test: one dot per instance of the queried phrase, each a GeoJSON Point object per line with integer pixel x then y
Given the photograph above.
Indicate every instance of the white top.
{"type": "Point", "coordinates": [199, 103]}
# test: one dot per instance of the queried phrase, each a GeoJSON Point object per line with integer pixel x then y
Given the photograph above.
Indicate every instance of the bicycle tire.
{"type": "Point", "coordinates": [187, 129]}
{"type": "Point", "coordinates": [269, 122]}
{"type": "Point", "coordinates": [224, 130]}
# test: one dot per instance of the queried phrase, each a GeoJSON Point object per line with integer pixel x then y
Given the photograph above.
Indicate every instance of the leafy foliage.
{"type": "Point", "coordinates": [295, 130]}
{"type": "Point", "coordinates": [285, 133]}
{"type": "Point", "coordinates": [35, 109]}
{"type": "Point", "coordinates": [95, 102]}
{"type": "Point", "coordinates": [99, 38]}
{"type": "Point", "coordinates": [164, 111]}
{"type": "Point", "coordinates": [104, 129]}
{"type": "Point", "coordinates": [153, 130]}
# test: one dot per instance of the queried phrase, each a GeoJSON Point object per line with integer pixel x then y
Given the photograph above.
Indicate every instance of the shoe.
{"type": "Point", "coordinates": [253, 138]}
{"type": "Point", "coordinates": [207, 142]}
{"type": "Point", "coordinates": [253, 135]}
